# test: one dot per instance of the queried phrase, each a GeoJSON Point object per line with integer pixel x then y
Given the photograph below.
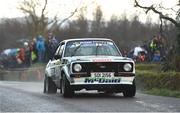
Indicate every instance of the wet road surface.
{"type": "Point", "coordinates": [29, 97]}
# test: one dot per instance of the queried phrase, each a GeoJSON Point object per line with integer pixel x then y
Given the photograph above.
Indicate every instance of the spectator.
{"type": "Point", "coordinates": [125, 54]}
{"type": "Point", "coordinates": [157, 56]}
{"type": "Point", "coordinates": [27, 62]}
{"type": "Point", "coordinates": [21, 56]}
{"type": "Point", "coordinates": [136, 52]}
{"type": "Point", "coordinates": [40, 46]}
{"type": "Point", "coordinates": [153, 46]}
{"type": "Point", "coordinates": [161, 45]}
{"type": "Point", "coordinates": [51, 46]}
{"type": "Point", "coordinates": [130, 53]}
{"type": "Point", "coordinates": [34, 53]}
{"type": "Point", "coordinates": [142, 56]}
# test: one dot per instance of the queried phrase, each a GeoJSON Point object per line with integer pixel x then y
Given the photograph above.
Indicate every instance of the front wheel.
{"type": "Point", "coordinates": [130, 90]}
{"type": "Point", "coordinates": [49, 85]}
{"type": "Point", "coordinates": [66, 88]}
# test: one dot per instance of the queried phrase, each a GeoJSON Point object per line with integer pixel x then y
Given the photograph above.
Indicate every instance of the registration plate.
{"type": "Point", "coordinates": [102, 74]}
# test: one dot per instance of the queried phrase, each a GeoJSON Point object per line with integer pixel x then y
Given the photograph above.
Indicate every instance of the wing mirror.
{"type": "Point", "coordinates": [57, 57]}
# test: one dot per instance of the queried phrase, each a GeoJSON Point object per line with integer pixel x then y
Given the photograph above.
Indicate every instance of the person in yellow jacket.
{"type": "Point", "coordinates": [153, 46]}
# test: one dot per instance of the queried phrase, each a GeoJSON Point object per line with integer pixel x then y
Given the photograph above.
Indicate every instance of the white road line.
{"type": "Point", "coordinates": [154, 107]}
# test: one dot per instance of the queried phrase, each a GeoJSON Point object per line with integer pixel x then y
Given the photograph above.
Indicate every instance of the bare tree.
{"type": "Point", "coordinates": [11, 30]}
{"type": "Point", "coordinates": [82, 23]}
{"type": "Point", "coordinates": [97, 23]}
{"type": "Point", "coordinates": [164, 16]}
{"type": "Point", "coordinates": [37, 22]}
{"type": "Point", "coordinates": [161, 14]}
{"type": "Point", "coordinates": [37, 19]}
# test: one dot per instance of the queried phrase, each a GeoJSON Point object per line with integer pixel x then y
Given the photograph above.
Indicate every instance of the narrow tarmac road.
{"type": "Point", "coordinates": [28, 97]}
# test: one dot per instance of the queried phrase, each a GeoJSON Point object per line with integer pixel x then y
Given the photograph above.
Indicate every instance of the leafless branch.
{"type": "Point", "coordinates": [168, 9]}
{"type": "Point", "coordinates": [67, 18]}
{"type": "Point", "coordinates": [56, 24]}
{"type": "Point", "coordinates": [152, 8]}
{"type": "Point", "coordinates": [45, 5]}
{"type": "Point", "coordinates": [78, 8]}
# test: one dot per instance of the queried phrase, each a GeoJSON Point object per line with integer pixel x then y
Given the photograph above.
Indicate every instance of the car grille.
{"type": "Point", "coordinates": [88, 67]}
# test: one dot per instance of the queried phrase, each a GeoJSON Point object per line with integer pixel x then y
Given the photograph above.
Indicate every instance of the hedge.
{"type": "Point", "coordinates": [150, 67]}
{"type": "Point", "coordinates": [162, 80]}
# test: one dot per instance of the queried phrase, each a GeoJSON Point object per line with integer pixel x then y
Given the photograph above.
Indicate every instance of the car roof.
{"type": "Point", "coordinates": [79, 39]}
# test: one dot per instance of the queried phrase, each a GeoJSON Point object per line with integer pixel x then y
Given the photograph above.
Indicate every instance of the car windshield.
{"type": "Point", "coordinates": [91, 48]}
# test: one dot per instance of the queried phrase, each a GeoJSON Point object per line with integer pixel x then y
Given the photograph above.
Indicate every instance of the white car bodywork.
{"type": "Point", "coordinates": [57, 67]}
{"type": "Point", "coordinates": [80, 81]}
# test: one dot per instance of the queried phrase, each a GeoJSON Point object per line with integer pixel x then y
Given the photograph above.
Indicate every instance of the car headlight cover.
{"type": "Point", "coordinates": [127, 67]}
{"type": "Point", "coordinates": [77, 67]}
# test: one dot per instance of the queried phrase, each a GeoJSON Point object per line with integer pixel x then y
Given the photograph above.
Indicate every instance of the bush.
{"type": "Point", "coordinates": [177, 63]}
{"type": "Point", "coordinates": [164, 92]}
{"type": "Point", "coordinates": [162, 80]}
{"type": "Point", "coordinates": [150, 67]}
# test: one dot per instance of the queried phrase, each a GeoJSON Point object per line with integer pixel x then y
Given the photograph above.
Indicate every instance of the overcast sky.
{"type": "Point", "coordinates": [8, 8]}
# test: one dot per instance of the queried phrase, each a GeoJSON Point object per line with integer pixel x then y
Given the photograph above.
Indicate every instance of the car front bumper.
{"type": "Point", "coordinates": [102, 81]}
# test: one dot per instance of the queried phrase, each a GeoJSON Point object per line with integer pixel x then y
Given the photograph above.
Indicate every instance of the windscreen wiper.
{"type": "Point", "coordinates": [75, 50]}
{"type": "Point", "coordinates": [97, 49]}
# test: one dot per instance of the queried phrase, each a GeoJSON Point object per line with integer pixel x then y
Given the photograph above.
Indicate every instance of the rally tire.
{"type": "Point", "coordinates": [130, 90]}
{"type": "Point", "coordinates": [49, 85]}
{"type": "Point", "coordinates": [61, 86]}
{"type": "Point", "coordinates": [67, 90]}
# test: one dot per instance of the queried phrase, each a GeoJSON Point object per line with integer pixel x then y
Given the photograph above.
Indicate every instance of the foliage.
{"type": "Point", "coordinates": [163, 15]}
{"type": "Point", "coordinates": [178, 41]}
{"type": "Point", "coordinates": [150, 76]}
{"type": "Point", "coordinates": [97, 24]}
{"type": "Point", "coordinates": [164, 92]}
{"type": "Point", "coordinates": [126, 33]}
{"type": "Point", "coordinates": [171, 60]}
{"type": "Point", "coordinates": [148, 66]}
{"type": "Point", "coordinates": [152, 80]}
{"type": "Point", "coordinates": [37, 16]}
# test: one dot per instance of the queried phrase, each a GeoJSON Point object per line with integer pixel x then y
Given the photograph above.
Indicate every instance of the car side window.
{"type": "Point", "coordinates": [57, 51]}
{"type": "Point", "coordinates": [60, 52]}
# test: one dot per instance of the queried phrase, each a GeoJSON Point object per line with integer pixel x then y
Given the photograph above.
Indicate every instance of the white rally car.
{"type": "Point", "coordinates": [91, 64]}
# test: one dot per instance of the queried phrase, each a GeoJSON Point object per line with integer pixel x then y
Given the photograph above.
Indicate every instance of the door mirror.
{"type": "Point", "coordinates": [57, 57]}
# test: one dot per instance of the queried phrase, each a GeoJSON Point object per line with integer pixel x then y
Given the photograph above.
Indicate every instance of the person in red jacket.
{"type": "Point", "coordinates": [21, 56]}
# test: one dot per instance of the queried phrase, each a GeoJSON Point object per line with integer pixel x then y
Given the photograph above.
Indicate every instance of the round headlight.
{"type": "Point", "coordinates": [127, 67]}
{"type": "Point", "coordinates": [77, 67]}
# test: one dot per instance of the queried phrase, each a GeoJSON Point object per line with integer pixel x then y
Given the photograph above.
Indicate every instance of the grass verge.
{"type": "Point", "coordinates": [150, 79]}
{"type": "Point", "coordinates": [163, 92]}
